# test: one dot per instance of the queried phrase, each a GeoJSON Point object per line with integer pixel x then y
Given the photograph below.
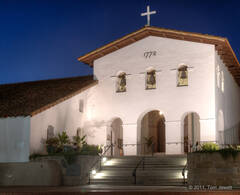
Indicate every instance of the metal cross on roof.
{"type": "Point", "coordinates": [148, 13]}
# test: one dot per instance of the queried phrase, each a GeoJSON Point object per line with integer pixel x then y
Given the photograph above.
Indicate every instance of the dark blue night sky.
{"type": "Point", "coordinates": [42, 39]}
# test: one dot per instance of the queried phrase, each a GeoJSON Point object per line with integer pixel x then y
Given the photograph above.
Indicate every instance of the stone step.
{"type": "Point", "coordinates": [160, 170]}
{"type": "Point", "coordinates": [140, 181]}
{"type": "Point", "coordinates": [146, 175]}
{"type": "Point", "coordinates": [146, 167]}
{"type": "Point", "coordinates": [147, 158]}
{"type": "Point", "coordinates": [114, 162]}
{"type": "Point", "coordinates": [176, 161]}
{"type": "Point", "coordinates": [164, 172]}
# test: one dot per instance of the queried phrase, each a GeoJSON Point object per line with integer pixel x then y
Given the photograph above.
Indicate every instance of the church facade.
{"type": "Point", "coordinates": [165, 88]}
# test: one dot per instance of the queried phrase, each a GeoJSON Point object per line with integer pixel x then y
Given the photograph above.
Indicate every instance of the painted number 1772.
{"type": "Point", "coordinates": [149, 54]}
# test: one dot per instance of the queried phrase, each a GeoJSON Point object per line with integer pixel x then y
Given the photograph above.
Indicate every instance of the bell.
{"type": "Point", "coordinates": [151, 79]}
{"type": "Point", "coordinates": [123, 81]}
{"type": "Point", "coordinates": [183, 74]}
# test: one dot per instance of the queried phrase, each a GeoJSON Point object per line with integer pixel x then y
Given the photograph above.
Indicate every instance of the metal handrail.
{"type": "Point", "coordinates": [134, 173]}
{"type": "Point", "coordinates": [97, 161]}
{"type": "Point", "coordinates": [183, 173]}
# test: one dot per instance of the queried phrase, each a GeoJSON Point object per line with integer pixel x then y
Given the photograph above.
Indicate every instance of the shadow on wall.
{"type": "Point", "coordinates": [91, 127]}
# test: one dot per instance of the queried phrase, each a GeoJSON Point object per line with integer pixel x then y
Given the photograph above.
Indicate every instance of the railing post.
{"type": "Point", "coordinates": [143, 149]}
{"type": "Point", "coordinates": [143, 163]}
{"type": "Point", "coordinates": [135, 182]}
{"type": "Point", "coordinates": [111, 149]}
{"type": "Point", "coordinates": [153, 148]}
{"type": "Point", "coordinates": [89, 179]}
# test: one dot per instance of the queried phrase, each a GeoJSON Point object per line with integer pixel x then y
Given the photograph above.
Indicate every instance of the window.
{"type": "Point", "coordinates": [151, 79]}
{"type": "Point", "coordinates": [81, 105]}
{"type": "Point", "coordinates": [222, 81]}
{"type": "Point", "coordinates": [121, 82]}
{"type": "Point", "coordinates": [218, 76]}
{"type": "Point", "coordinates": [79, 132]}
{"type": "Point", "coordinates": [182, 76]}
{"type": "Point", "coordinates": [50, 131]}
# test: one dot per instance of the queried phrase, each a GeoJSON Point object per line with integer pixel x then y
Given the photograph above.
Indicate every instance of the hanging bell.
{"type": "Point", "coordinates": [123, 81]}
{"type": "Point", "coordinates": [151, 79]}
{"type": "Point", "coordinates": [183, 74]}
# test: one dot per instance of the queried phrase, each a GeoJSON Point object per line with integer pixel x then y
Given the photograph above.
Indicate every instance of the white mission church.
{"type": "Point", "coordinates": [176, 88]}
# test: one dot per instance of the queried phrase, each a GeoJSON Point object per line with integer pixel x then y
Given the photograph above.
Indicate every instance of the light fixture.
{"type": "Point", "coordinates": [160, 113]}
{"type": "Point", "coordinates": [109, 163]}
{"type": "Point", "coordinates": [98, 175]}
{"type": "Point", "coordinates": [104, 159]}
{"type": "Point", "coordinates": [94, 171]}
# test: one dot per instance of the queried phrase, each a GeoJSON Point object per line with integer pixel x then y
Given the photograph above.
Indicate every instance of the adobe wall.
{"type": "Point", "coordinates": [65, 116]}
{"type": "Point", "coordinates": [48, 171]}
{"type": "Point", "coordinates": [43, 173]}
{"type": "Point", "coordinates": [212, 169]}
{"type": "Point", "coordinates": [14, 139]}
{"type": "Point", "coordinates": [227, 97]}
{"type": "Point", "coordinates": [173, 101]}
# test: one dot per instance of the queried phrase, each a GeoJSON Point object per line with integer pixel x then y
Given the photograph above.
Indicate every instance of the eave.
{"type": "Point", "coordinates": [222, 46]}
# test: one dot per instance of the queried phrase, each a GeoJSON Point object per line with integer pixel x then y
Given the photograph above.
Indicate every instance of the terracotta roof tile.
{"type": "Point", "coordinates": [30, 98]}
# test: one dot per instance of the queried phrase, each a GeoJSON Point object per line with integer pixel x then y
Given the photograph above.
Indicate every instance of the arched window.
{"type": "Point", "coordinates": [81, 104]}
{"type": "Point", "coordinates": [218, 76]}
{"type": "Point", "coordinates": [79, 132]}
{"type": "Point", "coordinates": [151, 79]}
{"type": "Point", "coordinates": [50, 131]}
{"type": "Point", "coordinates": [121, 82]}
{"type": "Point", "coordinates": [182, 76]}
{"type": "Point", "coordinates": [222, 81]}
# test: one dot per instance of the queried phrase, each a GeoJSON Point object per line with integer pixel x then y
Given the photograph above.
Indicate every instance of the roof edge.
{"type": "Point", "coordinates": [147, 30]}
{"type": "Point", "coordinates": [62, 99]}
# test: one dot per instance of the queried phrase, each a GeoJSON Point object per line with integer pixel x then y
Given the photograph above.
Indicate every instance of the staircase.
{"type": "Point", "coordinates": [158, 170]}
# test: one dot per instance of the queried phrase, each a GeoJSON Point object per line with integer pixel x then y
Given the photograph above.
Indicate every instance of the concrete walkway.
{"type": "Point", "coordinates": [115, 190]}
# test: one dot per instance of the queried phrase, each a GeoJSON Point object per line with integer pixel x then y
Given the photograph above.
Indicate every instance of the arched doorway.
{"type": "Point", "coordinates": [220, 128]}
{"type": "Point", "coordinates": [115, 137]}
{"type": "Point", "coordinates": [153, 133]}
{"type": "Point", "coordinates": [191, 128]}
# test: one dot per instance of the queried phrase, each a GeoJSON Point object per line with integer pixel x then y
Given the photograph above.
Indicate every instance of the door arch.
{"type": "Point", "coordinates": [115, 136]}
{"type": "Point", "coordinates": [191, 130]}
{"type": "Point", "coordinates": [152, 128]}
{"type": "Point", "coordinates": [220, 127]}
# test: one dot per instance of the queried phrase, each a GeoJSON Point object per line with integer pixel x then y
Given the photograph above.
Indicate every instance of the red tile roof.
{"type": "Point", "coordinates": [30, 98]}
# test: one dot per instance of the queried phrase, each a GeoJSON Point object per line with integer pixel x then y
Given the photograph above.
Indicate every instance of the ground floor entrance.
{"type": "Point", "coordinates": [154, 134]}
{"type": "Point", "coordinates": [153, 138]}
{"type": "Point", "coordinates": [191, 131]}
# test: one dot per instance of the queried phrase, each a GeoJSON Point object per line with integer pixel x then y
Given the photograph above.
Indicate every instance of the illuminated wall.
{"type": "Point", "coordinates": [175, 102]}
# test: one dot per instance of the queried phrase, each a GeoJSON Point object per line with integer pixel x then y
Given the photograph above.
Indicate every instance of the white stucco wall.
{"type": "Point", "coordinates": [227, 97]}
{"type": "Point", "coordinates": [105, 104]}
{"type": "Point", "coordinates": [64, 116]}
{"type": "Point", "coordinates": [14, 139]}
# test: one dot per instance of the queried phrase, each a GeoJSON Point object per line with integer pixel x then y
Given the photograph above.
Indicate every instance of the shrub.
{"type": "Point", "coordinates": [52, 145]}
{"type": "Point", "coordinates": [148, 141]}
{"type": "Point", "coordinates": [209, 147]}
{"type": "Point", "coordinates": [79, 141]}
{"type": "Point", "coordinates": [90, 149]}
{"type": "Point", "coordinates": [63, 139]}
{"type": "Point", "coordinates": [238, 147]}
{"type": "Point", "coordinates": [35, 155]}
{"type": "Point", "coordinates": [229, 151]}
{"type": "Point", "coordinates": [54, 141]}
